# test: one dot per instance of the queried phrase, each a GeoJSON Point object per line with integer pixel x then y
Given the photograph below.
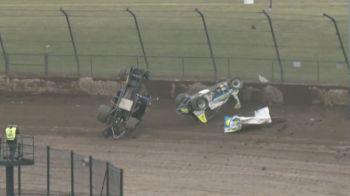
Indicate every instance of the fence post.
{"type": "Point", "coordinates": [137, 61]}
{"type": "Point", "coordinates": [19, 180]}
{"type": "Point", "coordinates": [228, 66]}
{"type": "Point", "coordinates": [72, 172]}
{"type": "Point", "coordinates": [275, 44]}
{"type": "Point", "coordinates": [48, 170]}
{"type": "Point", "coordinates": [183, 66]}
{"type": "Point", "coordinates": [46, 64]}
{"type": "Point", "coordinates": [209, 43]}
{"type": "Point", "coordinates": [72, 40]}
{"type": "Point", "coordinates": [140, 37]}
{"type": "Point", "coordinates": [107, 179]}
{"type": "Point", "coordinates": [6, 59]}
{"type": "Point", "coordinates": [318, 71]}
{"type": "Point", "coordinates": [90, 175]}
{"type": "Point", "coordinates": [339, 38]}
{"type": "Point", "coordinates": [91, 65]}
{"type": "Point", "coordinates": [9, 181]}
{"type": "Point", "coordinates": [121, 182]}
{"type": "Point", "coordinates": [273, 70]}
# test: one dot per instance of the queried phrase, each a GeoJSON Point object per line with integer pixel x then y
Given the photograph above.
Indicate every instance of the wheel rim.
{"type": "Point", "coordinates": [236, 83]}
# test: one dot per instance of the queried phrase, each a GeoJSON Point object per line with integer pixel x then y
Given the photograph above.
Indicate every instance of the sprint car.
{"type": "Point", "coordinates": [127, 105]}
{"type": "Point", "coordinates": [204, 104]}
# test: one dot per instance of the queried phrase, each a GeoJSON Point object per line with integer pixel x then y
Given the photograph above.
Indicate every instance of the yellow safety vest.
{"type": "Point", "coordinates": [10, 133]}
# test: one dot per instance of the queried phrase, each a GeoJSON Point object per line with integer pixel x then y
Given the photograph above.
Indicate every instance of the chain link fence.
{"type": "Point", "coordinates": [182, 67]}
{"type": "Point", "coordinates": [37, 40]}
{"type": "Point", "coordinates": [63, 173]}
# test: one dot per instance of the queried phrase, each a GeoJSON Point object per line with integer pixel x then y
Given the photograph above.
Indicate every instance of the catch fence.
{"type": "Point", "coordinates": [294, 41]}
{"type": "Point", "coordinates": [63, 173]}
{"type": "Point", "coordinates": [177, 67]}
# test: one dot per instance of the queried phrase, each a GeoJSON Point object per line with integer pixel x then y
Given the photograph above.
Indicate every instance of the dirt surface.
{"type": "Point", "coordinates": [309, 154]}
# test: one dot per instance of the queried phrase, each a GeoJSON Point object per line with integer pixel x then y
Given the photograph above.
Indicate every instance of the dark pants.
{"type": "Point", "coordinates": [12, 148]}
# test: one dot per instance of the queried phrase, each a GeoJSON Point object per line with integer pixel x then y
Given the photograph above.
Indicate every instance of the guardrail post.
{"type": "Point", "coordinates": [46, 64]}
{"type": "Point", "coordinates": [6, 59]}
{"type": "Point", "coordinates": [72, 40]}
{"type": "Point", "coordinates": [275, 44]}
{"type": "Point", "coordinates": [209, 43]}
{"type": "Point", "coordinates": [140, 37]}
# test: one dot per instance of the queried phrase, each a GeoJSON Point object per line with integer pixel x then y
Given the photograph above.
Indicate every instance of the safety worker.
{"type": "Point", "coordinates": [11, 133]}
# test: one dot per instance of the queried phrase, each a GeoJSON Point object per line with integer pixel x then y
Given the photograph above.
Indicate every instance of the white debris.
{"type": "Point", "coordinates": [235, 123]}
{"type": "Point", "coordinates": [262, 79]}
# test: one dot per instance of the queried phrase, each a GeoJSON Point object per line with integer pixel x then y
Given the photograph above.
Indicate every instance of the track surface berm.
{"type": "Point", "coordinates": [309, 154]}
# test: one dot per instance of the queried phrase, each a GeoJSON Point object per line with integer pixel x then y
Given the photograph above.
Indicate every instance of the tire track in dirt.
{"type": "Point", "coordinates": [173, 155]}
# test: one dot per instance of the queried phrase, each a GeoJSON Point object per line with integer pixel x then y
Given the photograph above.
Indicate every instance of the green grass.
{"type": "Point", "coordinates": [172, 33]}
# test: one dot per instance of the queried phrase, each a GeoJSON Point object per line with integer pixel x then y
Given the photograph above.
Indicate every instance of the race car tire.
{"type": "Point", "coordinates": [180, 98]}
{"type": "Point", "coordinates": [199, 103]}
{"type": "Point", "coordinates": [107, 132]}
{"type": "Point", "coordinates": [236, 83]}
{"type": "Point", "coordinates": [103, 113]}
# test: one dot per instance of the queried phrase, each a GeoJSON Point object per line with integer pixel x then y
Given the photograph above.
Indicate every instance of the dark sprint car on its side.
{"type": "Point", "coordinates": [126, 105]}
{"type": "Point", "coordinates": [206, 103]}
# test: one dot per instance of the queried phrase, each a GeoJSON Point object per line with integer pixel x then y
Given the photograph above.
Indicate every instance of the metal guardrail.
{"type": "Point", "coordinates": [22, 154]}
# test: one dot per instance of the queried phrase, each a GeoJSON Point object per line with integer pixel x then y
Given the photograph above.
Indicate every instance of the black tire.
{"type": "Point", "coordinates": [236, 83]}
{"type": "Point", "coordinates": [199, 103]}
{"type": "Point", "coordinates": [104, 113]}
{"type": "Point", "coordinates": [180, 98]}
{"type": "Point", "coordinates": [107, 132]}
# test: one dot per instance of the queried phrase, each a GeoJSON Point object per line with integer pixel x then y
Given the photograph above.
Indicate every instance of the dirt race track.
{"type": "Point", "coordinates": [168, 155]}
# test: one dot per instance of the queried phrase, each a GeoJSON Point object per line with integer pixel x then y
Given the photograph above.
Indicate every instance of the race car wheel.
{"type": "Point", "coordinates": [118, 128]}
{"type": "Point", "coordinates": [103, 114]}
{"type": "Point", "coordinates": [236, 83]}
{"type": "Point", "coordinates": [107, 132]}
{"type": "Point", "coordinates": [199, 103]}
{"type": "Point", "coordinates": [180, 98]}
